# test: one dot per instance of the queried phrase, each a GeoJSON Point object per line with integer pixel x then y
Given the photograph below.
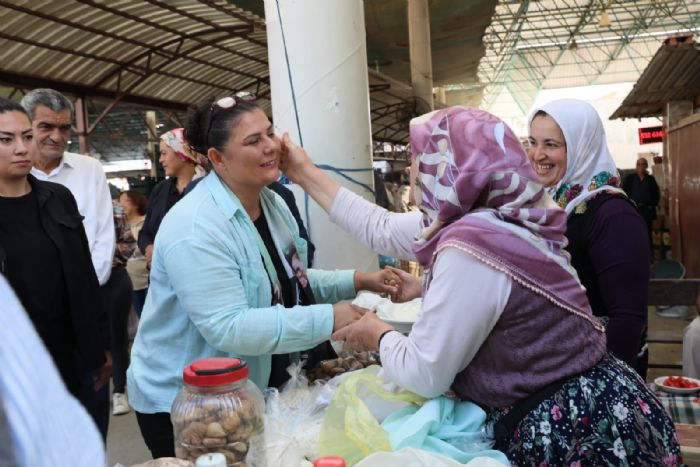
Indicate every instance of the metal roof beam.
{"type": "Point", "coordinates": [379, 87]}
{"type": "Point", "coordinates": [173, 117]}
{"type": "Point", "coordinates": [170, 30]}
{"type": "Point", "coordinates": [82, 27]}
{"type": "Point", "coordinates": [235, 30]}
{"type": "Point", "coordinates": [233, 14]}
{"type": "Point", "coordinates": [182, 12]}
{"type": "Point", "coordinates": [389, 126]}
{"type": "Point", "coordinates": [58, 48]}
{"type": "Point", "coordinates": [584, 19]}
{"type": "Point", "coordinates": [141, 79]}
{"type": "Point", "coordinates": [396, 132]}
{"type": "Point", "coordinates": [512, 36]}
{"type": "Point", "coordinates": [15, 91]}
{"type": "Point", "coordinates": [644, 21]}
{"type": "Point", "coordinates": [102, 115]}
{"type": "Point", "coordinates": [387, 109]}
{"type": "Point", "coordinates": [141, 71]}
{"type": "Point", "coordinates": [32, 82]}
{"type": "Point", "coordinates": [105, 121]}
{"type": "Point", "coordinates": [177, 54]}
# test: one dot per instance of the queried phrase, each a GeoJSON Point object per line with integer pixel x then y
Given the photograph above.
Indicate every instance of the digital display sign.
{"type": "Point", "coordinates": [651, 134]}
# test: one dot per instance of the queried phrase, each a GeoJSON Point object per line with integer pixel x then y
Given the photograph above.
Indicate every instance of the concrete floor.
{"type": "Point", "coordinates": [125, 445]}
{"type": "Point", "coordinates": [124, 442]}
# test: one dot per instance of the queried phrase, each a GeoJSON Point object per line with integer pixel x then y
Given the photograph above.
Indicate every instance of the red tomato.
{"type": "Point", "coordinates": [680, 382]}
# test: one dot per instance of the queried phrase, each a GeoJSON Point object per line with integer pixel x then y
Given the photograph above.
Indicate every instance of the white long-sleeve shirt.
{"type": "Point", "coordinates": [47, 426]}
{"type": "Point", "coordinates": [465, 299]}
{"type": "Point", "coordinates": [84, 177]}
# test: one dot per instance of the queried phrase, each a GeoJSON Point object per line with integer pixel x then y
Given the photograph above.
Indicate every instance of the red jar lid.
{"type": "Point", "coordinates": [329, 461]}
{"type": "Point", "coordinates": [215, 371]}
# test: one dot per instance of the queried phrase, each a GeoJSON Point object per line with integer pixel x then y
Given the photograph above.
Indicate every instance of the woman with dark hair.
{"type": "Point", "coordinates": [221, 283]}
{"type": "Point", "coordinates": [45, 257]}
{"type": "Point", "coordinates": [607, 237]}
{"type": "Point", "coordinates": [117, 295]}
{"type": "Point", "coordinates": [181, 166]}
{"type": "Point", "coordinates": [134, 205]}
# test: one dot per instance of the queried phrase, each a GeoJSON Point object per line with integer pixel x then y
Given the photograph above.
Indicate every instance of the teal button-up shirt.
{"type": "Point", "coordinates": [210, 296]}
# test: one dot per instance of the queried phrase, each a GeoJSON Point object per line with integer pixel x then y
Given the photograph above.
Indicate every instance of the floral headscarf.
{"type": "Point", "coordinates": [590, 168]}
{"type": "Point", "coordinates": [175, 139]}
{"type": "Point", "coordinates": [480, 194]}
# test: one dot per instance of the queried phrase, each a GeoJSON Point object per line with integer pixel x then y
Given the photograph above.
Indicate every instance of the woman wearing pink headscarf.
{"type": "Point", "coordinates": [181, 165]}
{"type": "Point", "coordinates": [505, 322]}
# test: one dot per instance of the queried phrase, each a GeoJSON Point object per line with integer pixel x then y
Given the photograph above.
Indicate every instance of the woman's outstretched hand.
{"type": "Point", "coordinates": [294, 161]}
{"type": "Point", "coordinates": [384, 281]}
{"type": "Point", "coordinates": [363, 334]}
{"type": "Point", "coordinates": [345, 314]}
{"type": "Point", "coordinates": [300, 169]}
{"type": "Point", "coordinates": [410, 287]}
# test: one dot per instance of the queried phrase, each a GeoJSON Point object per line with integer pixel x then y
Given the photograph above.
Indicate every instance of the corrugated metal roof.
{"type": "Point", "coordinates": [672, 75]}
{"type": "Point", "coordinates": [534, 45]}
{"type": "Point", "coordinates": [157, 53]}
{"type": "Point", "coordinates": [173, 52]}
{"type": "Point", "coordinates": [392, 107]}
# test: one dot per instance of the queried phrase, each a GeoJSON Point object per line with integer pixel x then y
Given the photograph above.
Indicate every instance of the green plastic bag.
{"type": "Point", "coordinates": [350, 430]}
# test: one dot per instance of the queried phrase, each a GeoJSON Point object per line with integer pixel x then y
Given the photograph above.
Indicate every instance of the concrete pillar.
{"type": "Point", "coordinates": [153, 142]}
{"type": "Point", "coordinates": [318, 47]}
{"type": "Point", "coordinates": [440, 95]}
{"type": "Point", "coordinates": [419, 51]}
{"type": "Point", "coordinates": [81, 125]}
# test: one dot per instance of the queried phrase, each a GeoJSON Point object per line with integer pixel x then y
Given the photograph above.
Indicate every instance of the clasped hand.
{"type": "Point", "coordinates": [359, 328]}
{"type": "Point", "coordinates": [399, 285]}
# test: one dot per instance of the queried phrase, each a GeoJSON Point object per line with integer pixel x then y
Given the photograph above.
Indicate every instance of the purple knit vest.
{"type": "Point", "coordinates": [533, 344]}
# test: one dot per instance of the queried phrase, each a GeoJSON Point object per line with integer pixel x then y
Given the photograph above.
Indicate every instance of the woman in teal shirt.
{"type": "Point", "coordinates": [227, 275]}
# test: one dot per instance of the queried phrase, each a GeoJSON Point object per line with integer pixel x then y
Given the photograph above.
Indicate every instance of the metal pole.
{"type": "Point", "coordinates": [419, 52]}
{"type": "Point", "coordinates": [81, 125]}
{"type": "Point", "coordinates": [152, 140]}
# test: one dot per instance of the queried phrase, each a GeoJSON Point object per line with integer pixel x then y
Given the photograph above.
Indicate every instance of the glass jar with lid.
{"type": "Point", "coordinates": [219, 410]}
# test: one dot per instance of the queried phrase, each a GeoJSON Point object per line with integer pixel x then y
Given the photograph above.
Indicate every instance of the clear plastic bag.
{"type": "Point", "coordinates": [351, 427]}
{"type": "Point", "coordinates": [293, 418]}
{"type": "Point", "coordinates": [345, 362]}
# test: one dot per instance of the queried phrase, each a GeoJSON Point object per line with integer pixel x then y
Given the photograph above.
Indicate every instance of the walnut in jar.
{"type": "Point", "coordinates": [217, 412]}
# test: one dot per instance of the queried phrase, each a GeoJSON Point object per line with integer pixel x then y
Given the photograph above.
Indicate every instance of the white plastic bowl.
{"type": "Point", "coordinates": [404, 327]}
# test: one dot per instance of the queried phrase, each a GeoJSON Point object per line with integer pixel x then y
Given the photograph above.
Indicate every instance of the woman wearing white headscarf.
{"type": "Point", "coordinates": [504, 320]}
{"type": "Point", "coordinates": [607, 237]}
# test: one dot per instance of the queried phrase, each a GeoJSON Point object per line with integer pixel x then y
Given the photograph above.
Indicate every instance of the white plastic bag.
{"type": "Point", "coordinates": [293, 419]}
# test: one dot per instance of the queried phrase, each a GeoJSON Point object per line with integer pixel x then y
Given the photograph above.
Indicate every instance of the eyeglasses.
{"type": "Point", "coordinates": [227, 103]}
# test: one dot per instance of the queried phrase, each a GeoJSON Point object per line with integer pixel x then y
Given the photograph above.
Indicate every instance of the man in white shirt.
{"type": "Point", "coordinates": [52, 113]}
{"type": "Point", "coordinates": [41, 424]}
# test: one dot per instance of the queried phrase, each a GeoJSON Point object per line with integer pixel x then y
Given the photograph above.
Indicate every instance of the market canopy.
{"type": "Point", "coordinates": [164, 55]}
{"type": "Point", "coordinates": [535, 45]}
{"type": "Point", "coordinates": [672, 75]}
{"type": "Point", "coordinates": [155, 54]}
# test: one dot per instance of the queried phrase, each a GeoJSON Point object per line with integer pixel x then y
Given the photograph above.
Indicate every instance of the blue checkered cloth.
{"type": "Point", "coordinates": [682, 408]}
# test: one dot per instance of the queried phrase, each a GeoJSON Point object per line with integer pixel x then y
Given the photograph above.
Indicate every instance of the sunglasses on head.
{"type": "Point", "coordinates": [227, 103]}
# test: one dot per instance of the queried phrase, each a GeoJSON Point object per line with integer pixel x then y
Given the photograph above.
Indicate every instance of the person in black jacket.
{"type": "Point", "coordinates": [44, 255]}
{"type": "Point", "coordinates": [181, 165]}
{"type": "Point", "coordinates": [641, 187]}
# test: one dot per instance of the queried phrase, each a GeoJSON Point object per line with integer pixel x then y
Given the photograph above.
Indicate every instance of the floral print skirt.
{"type": "Point", "coordinates": [607, 416]}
